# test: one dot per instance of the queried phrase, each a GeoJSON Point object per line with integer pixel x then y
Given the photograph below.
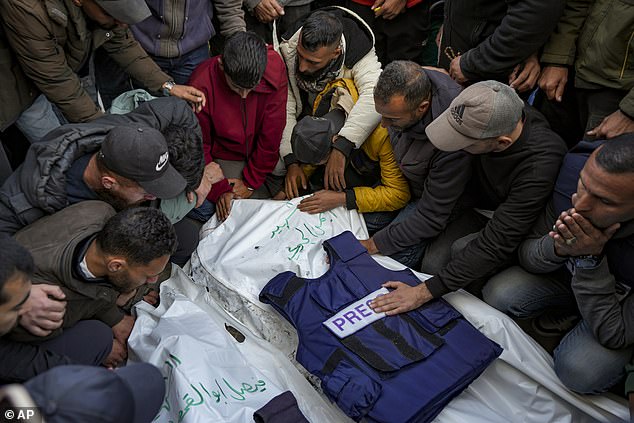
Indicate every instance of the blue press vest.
{"type": "Point", "coordinates": [402, 368]}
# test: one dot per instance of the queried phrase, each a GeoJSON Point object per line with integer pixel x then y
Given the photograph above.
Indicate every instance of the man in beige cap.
{"type": "Point", "coordinates": [517, 161]}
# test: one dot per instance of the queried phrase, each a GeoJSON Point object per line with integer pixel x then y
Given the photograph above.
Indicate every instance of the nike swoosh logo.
{"type": "Point", "coordinates": [162, 162]}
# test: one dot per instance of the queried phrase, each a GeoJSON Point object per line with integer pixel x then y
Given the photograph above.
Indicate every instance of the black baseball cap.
{"type": "Point", "coordinates": [311, 139]}
{"type": "Point", "coordinates": [141, 155]}
{"type": "Point", "coordinates": [74, 394]}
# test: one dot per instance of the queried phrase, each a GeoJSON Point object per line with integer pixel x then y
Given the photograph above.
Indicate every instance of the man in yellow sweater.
{"type": "Point", "coordinates": [375, 184]}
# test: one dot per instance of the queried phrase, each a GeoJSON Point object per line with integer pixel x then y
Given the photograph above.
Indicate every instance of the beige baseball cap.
{"type": "Point", "coordinates": [484, 110]}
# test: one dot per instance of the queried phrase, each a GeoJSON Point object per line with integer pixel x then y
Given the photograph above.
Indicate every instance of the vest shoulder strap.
{"type": "Point", "coordinates": [344, 246]}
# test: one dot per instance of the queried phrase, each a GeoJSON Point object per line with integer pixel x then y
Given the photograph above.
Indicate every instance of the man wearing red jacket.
{"type": "Point", "coordinates": [243, 120]}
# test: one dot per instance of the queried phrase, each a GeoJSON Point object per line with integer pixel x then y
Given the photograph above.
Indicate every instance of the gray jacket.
{"type": "Point", "coordinates": [610, 319]}
{"type": "Point", "coordinates": [38, 186]}
{"type": "Point", "coordinates": [436, 178]}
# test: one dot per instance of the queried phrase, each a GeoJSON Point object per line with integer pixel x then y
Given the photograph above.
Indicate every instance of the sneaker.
{"type": "Point", "coordinates": [555, 323]}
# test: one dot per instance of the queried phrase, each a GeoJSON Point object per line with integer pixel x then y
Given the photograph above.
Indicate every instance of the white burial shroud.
{"type": "Point", "coordinates": [260, 239]}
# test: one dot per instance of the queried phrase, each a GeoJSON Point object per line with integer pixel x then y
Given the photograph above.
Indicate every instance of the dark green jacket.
{"type": "Point", "coordinates": [53, 241]}
{"type": "Point", "coordinates": [598, 38]}
{"type": "Point", "coordinates": [52, 40]}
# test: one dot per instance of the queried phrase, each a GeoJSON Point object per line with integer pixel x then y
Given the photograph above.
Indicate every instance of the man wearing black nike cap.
{"type": "Point", "coordinates": [128, 166]}
{"type": "Point", "coordinates": [139, 155]}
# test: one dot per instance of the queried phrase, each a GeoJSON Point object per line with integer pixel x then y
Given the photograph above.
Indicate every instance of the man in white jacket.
{"type": "Point", "coordinates": [333, 43]}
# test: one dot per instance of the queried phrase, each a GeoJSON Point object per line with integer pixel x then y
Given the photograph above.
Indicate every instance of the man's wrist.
{"type": "Point", "coordinates": [590, 261]}
{"type": "Point", "coordinates": [626, 114]}
{"type": "Point", "coordinates": [372, 246]}
{"type": "Point", "coordinates": [167, 87]}
{"type": "Point", "coordinates": [343, 144]}
{"type": "Point", "coordinates": [424, 294]}
{"type": "Point", "coordinates": [341, 198]}
{"type": "Point", "coordinates": [290, 159]}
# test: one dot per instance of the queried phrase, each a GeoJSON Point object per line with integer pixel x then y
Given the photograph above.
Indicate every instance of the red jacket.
{"type": "Point", "coordinates": [242, 129]}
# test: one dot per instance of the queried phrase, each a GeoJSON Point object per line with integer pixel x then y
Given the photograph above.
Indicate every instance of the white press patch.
{"type": "Point", "coordinates": [356, 316]}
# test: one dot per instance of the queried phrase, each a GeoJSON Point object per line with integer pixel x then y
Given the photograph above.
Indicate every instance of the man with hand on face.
{"type": "Point", "coordinates": [89, 342]}
{"type": "Point", "coordinates": [53, 43]}
{"type": "Point", "coordinates": [243, 121]}
{"type": "Point", "coordinates": [67, 392]}
{"type": "Point", "coordinates": [98, 259]}
{"type": "Point", "coordinates": [581, 254]}
{"type": "Point", "coordinates": [332, 43]}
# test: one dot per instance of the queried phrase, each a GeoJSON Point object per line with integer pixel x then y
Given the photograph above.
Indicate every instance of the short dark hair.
{"type": "Point", "coordinates": [185, 147]}
{"type": "Point", "coordinates": [321, 29]}
{"type": "Point", "coordinates": [244, 58]}
{"type": "Point", "coordinates": [140, 234]}
{"type": "Point", "coordinates": [617, 154]}
{"type": "Point", "coordinates": [402, 77]}
{"type": "Point", "coordinates": [14, 258]}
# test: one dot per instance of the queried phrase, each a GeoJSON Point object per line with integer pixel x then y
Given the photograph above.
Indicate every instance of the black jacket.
{"type": "Point", "coordinates": [516, 183]}
{"type": "Point", "coordinates": [38, 186]}
{"type": "Point", "coordinates": [493, 36]}
{"type": "Point", "coordinates": [436, 178]}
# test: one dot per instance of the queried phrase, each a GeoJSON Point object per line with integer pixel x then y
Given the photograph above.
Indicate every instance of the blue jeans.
{"type": "Point", "coordinates": [38, 120]}
{"type": "Point", "coordinates": [581, 362]}
{"type": "Point", "coordinates": [375, 221]}
{"type": "Point", "coordinates": [463, 226]}
{"type": "Point", "coordinates": [112, 81]}
{"type": "Point", "coordinates": [180, 68]}
{"type": "Point", "coordinates": [523, 294]}
{"type": "Point", "coordinates": [587, 367]}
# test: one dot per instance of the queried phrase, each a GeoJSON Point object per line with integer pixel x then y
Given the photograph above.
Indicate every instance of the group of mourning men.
{"type": "Point", "coordinates": [454, 172]}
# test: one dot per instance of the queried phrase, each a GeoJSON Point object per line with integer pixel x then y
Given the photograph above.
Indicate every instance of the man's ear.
{"type": "Point", "coordinates": [337, 52]}
{"type": "Point", "coordinates": [503, 142]}
{"type": "Point", "coordinates": [423, 107]}
{"type": "Point", "coordinates": [77, 3]}
{"type": "Point", "coordinates": [222, 65]}
{"type": "Point", "coordinates": [116, 264]}
{"type": "Point", "coordinates": [108, 181]}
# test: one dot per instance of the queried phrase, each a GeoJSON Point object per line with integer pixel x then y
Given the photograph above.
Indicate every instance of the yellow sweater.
{"type": "Point", "coordinates": [393, 191]}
